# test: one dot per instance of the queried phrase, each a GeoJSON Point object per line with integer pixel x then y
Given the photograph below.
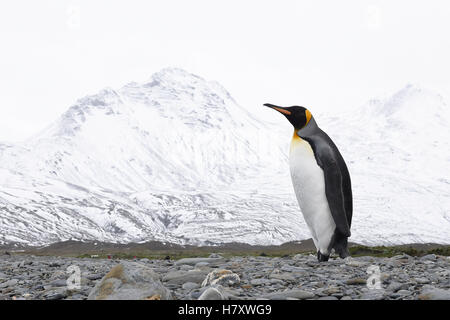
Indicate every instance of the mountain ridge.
{"type": "Point", "coordinates": [176, 159]}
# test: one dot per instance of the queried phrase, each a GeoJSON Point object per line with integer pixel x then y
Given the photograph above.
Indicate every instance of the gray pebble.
{"type": "Point", "coordinates": [94, 276]}
{"type": "Point", "coordinates": [190, 285]}
{"type": "Point", "coordinates": [429, 257]}
{"type": "Point", "coordinates": [290, 277]}
{"type": "Point", "coordinates": [404, 292]}
{"type": "Point", "coordinates": [422, 280]}
{"type": "Point", "coordinates": [259, 282]}
{"type": "Point", "coordinates": [59, 283]}
{"type": "Point", "coordinates": [212, 294]}
{"type": "Point", "coordinates": [328, 298]}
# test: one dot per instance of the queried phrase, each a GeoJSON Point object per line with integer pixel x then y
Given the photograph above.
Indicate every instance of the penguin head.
{"type": "Point", "coordinates": [299, 117]}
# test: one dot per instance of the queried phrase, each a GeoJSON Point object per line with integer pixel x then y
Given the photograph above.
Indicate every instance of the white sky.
{"type": "Point", "coordinates": [320, 54]}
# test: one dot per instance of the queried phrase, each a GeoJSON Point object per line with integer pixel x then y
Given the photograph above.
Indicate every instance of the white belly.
{"type": "Point", "coordinates": [309, 186]}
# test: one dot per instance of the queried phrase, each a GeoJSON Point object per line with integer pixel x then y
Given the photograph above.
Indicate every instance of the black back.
{"type": "Point", "coordinates": [337, 178]}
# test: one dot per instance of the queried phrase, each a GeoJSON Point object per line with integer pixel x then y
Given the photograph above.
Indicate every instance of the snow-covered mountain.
{"type": "Point", "coordinates": [169, 159]}
{"type": "Point", "coordinates": [177, 159]}
{"type": "Point", "coordinates": [398, 151]}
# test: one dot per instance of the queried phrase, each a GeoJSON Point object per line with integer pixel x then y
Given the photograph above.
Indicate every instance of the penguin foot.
{"type": "Point", "coordinates": [321, 257]}
{"type": "Point", "coordinates": [344, 254]}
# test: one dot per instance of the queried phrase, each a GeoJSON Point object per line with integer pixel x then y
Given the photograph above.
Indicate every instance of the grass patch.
{"type": "Point", "coordinates": [355, 251]}
{"type": "Point", "coordinates": [140, 255]}
{"type": "Point", "coordinates": [382, 251]}
{"type": "Point", "coordinates": [154, 250]}
{"type": "Point", "coordinates": [178, 255]}
{"type": "Point", "coordinates": [445, 251]}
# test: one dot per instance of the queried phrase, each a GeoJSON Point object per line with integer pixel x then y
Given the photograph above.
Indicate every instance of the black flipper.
{"type": "Point", "coordinates": [335, 197]}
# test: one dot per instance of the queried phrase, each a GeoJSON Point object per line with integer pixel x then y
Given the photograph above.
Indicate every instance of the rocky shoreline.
{"type": "Point", "coordinates": [291, 277]}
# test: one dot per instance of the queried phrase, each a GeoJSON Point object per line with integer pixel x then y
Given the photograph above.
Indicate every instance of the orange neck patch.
{"type": "Point", "coordinates": [295, 136]}
{"type": "Point", "coordinates": [308, 116]}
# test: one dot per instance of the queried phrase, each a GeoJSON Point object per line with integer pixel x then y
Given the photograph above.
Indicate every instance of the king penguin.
{"type": "Point", "coordinates": [321, 183]}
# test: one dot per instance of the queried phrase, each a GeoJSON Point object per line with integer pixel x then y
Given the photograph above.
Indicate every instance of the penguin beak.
{"type": "Point", "coordinates": [279, 109]}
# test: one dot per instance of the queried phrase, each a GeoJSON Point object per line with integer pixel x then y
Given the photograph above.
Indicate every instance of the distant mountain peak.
{"type": "Point", "coordinates": [174, 71]}
{"type": "Point", "coordinates": [410, 90]}
{"type": "Point", "coordinates": [104, 97]}
{"type": "Point", "coordinates": [173, 77]}
{"type": "Point", "coordinates": [413, 101]}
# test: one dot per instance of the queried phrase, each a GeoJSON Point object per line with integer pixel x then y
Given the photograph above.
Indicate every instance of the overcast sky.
{"type": "Point", "coordinates": [324, 55]}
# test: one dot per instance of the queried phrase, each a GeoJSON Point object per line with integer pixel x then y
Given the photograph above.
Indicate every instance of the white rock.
{"type": "Point", "coordinates": [221, 277]}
